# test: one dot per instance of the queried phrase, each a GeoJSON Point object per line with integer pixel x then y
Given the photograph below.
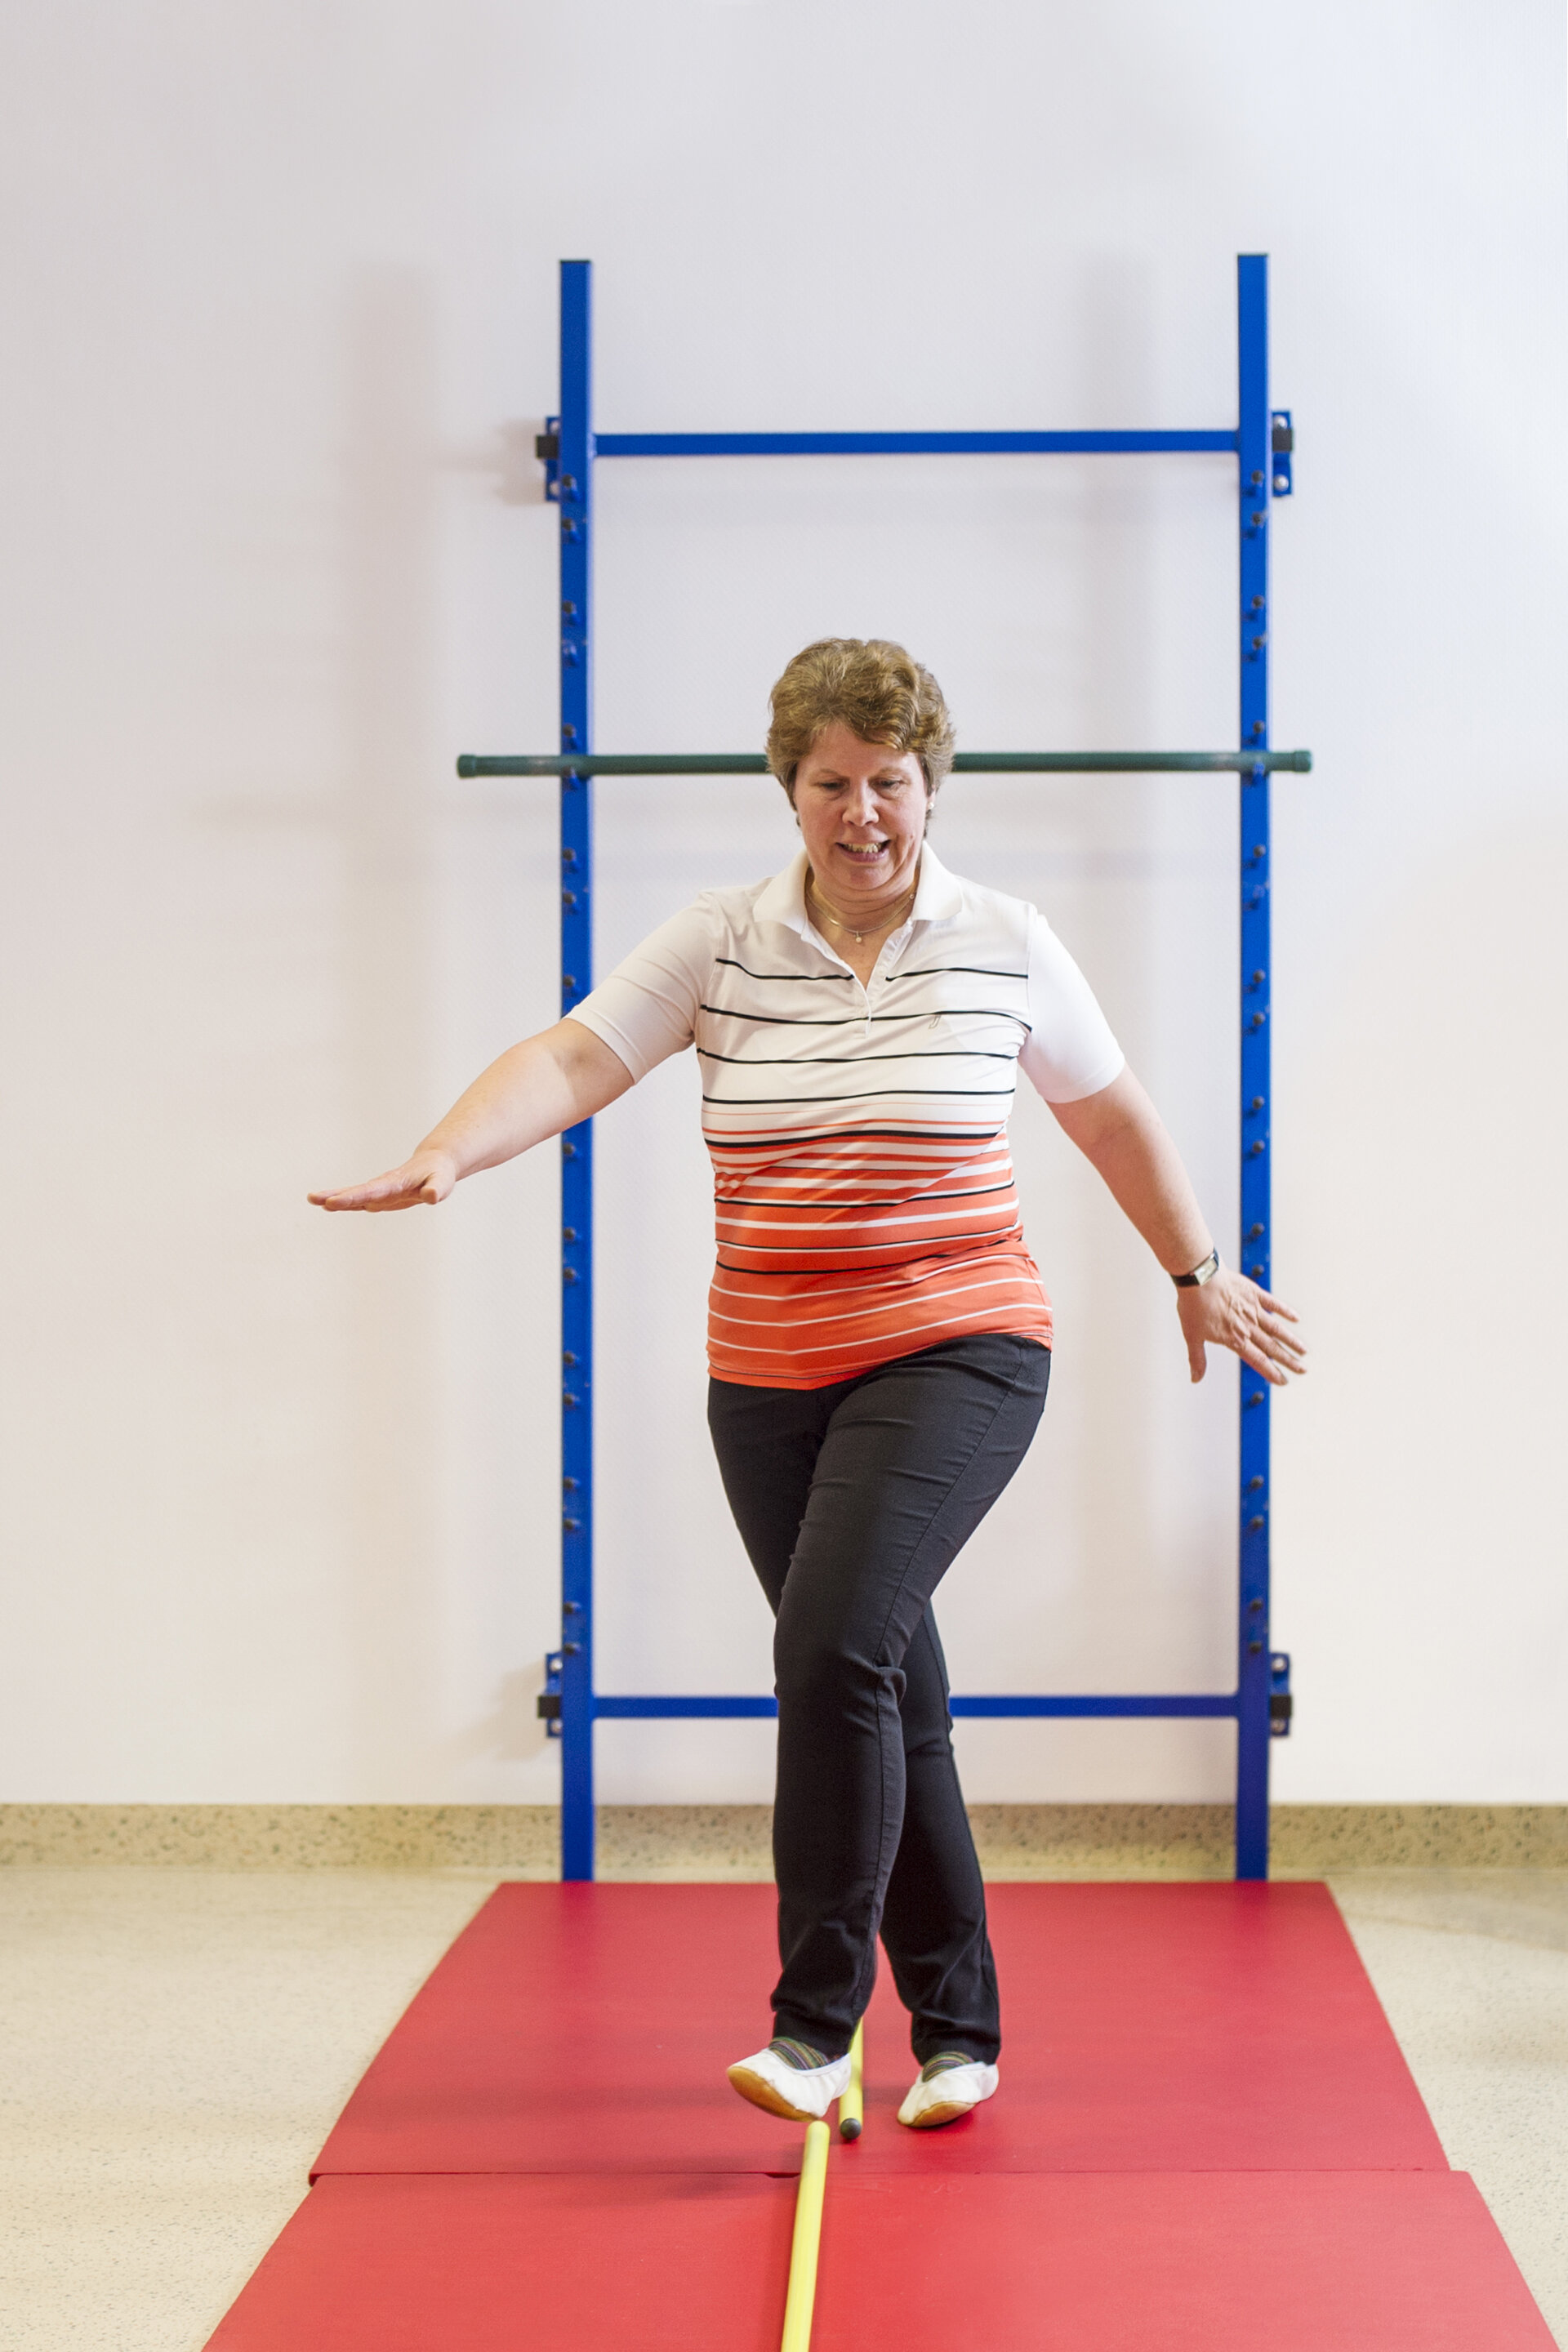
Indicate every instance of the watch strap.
{"type": "Point", "coordinates": [1199, 1275]}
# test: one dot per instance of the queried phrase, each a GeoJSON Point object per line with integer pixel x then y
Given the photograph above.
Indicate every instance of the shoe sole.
{"type": "Point", "coordinates": [930, 2118]}
{"type": "Point", "coordinates": [761, 2093]}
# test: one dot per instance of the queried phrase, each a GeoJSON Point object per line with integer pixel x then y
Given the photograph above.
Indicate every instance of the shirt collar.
{"type": "Point", "coordinates": [938, 898]}
{"type": "Point", "coordinates": [783, 900]}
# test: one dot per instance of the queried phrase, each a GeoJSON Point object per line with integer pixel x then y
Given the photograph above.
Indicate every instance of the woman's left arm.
{"type": "Point", "coordinates": [1121, 1132]}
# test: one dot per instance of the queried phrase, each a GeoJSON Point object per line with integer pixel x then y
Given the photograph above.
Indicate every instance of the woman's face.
{"type": "Point", "coordinates": [862, 811]}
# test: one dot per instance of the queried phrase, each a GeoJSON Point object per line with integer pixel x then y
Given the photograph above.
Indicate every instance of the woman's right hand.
{"type": "Point", "coordinates": [420, 1183]}
{"type": "Point", "coordinates": [536, 1088]}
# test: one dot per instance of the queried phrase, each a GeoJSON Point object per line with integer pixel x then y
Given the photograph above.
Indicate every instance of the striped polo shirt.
{"type": "Point", "coordinates": [864, 1189]}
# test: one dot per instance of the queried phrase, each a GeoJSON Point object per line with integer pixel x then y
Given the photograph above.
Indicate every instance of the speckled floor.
{"type": "Point", "coordinates": [176, 2043]}
{"type": "Point", "coordinates": [1471, 1967]}
{"type": "Point", "coordinates": [178, 2040]}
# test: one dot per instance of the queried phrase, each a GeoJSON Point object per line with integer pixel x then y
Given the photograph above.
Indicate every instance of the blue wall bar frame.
{"type": "Point", "coordinates": [1262, 444]}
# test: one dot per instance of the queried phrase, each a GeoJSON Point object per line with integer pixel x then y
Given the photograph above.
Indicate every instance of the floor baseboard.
{"type": "Point", "coordinates": [1077, 1840]}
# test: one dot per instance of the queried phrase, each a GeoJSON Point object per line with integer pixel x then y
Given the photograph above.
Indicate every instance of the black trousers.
{"type": "Point", "coordinates": [852, 1501]}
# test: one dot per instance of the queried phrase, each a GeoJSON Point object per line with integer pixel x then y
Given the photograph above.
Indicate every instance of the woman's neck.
{"type": "Point", "coordinates": [859, 923]}
{"type": "Point", "coordinates": [859, 939]}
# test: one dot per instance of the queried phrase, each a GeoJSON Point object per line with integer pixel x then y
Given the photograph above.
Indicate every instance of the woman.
{"type": "Point", "coordinates": [880, 1338]}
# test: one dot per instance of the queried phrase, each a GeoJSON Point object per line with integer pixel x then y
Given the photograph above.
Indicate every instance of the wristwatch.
{"type": "Point", "coordinates": [1199, 1275]}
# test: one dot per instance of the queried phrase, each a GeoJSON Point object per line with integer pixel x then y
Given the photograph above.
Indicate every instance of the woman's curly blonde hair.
{"type": "Point", "coordinates": [880, 692]}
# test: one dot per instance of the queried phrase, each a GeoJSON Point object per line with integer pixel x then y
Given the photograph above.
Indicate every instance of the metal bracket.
{"type": "Point", "coordinates": [547, 449]}
{"type": "Point", "coordinates": [548, 1701]}
{"type": "Point", "coordinates": [1282, 444]}
{"type": "Point", "coordinates": [1282, 1706]}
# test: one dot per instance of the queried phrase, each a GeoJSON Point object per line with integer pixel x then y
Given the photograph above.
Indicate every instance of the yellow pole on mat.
{"type": "Point", "coordinates": [802, 2294]}
{"type": "Point", "coordinates": [852, 2106]}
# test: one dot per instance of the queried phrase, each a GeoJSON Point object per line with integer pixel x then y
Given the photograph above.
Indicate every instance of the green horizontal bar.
{"type": "Point", "coordinates": [967, 764]}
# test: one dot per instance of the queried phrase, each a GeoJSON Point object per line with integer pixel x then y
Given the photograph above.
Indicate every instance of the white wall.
{"type": "Point", "coordinates": [279, 1493]}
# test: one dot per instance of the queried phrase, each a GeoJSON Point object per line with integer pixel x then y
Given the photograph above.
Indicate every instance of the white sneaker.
{"type": "Point", "coordinates": [950, 2092]}
{"type": "Point", "coordinates": [803, 2094]}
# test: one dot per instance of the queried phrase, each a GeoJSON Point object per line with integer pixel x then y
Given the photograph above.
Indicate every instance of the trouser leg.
{"type": "Point", "coordinates": [934, 1916]}
{"type": "Point", "coordinates": [907, 1459]}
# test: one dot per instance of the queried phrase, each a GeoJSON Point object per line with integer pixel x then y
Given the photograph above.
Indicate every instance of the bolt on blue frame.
{"type": "Point", "coordinates": [1262, 443]}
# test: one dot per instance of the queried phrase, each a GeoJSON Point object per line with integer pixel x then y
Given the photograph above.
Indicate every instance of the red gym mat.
{"type": "Point", "coordinates": [1148, 2028]}
{"type": "Point", "coordinates": [1314, 2262]}
{"type": "Point", "coordinates": [498, 2264]}
{"type": "Point", "coordinates": [1097, 2263]}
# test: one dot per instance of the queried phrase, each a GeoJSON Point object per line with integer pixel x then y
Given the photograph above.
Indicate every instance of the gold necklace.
{"type": "Point", "coordinates": [884, 923]}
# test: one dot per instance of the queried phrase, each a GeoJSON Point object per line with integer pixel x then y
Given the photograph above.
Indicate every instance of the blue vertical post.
{"type": "Point", "coordinates": [1256, 470]}
{"type": "Point", "coordinates": [575, 493]}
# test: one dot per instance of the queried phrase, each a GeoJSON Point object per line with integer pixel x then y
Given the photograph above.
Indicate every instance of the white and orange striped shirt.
{"type": "Point", "coordinates": [864, 1189]}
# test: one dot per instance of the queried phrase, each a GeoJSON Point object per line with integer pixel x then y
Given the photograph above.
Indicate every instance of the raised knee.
{"type": "Point", "coordinates": [822, 1670]}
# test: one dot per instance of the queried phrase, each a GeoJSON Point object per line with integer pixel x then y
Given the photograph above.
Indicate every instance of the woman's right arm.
{"type": "Point", "coordinates": [535, 1090]}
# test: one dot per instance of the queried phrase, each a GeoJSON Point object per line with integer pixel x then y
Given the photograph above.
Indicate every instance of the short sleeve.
{"type": "Point", "coordinates": [1070, 1051]}
{"type": "Point", "coordinates": [646, 1010]}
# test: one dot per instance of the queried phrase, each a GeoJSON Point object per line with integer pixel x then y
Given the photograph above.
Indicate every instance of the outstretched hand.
{"type": "Point", "coordinates": [420, 1183]}
{"type": "Point", "coordinates": [1229, 1311]}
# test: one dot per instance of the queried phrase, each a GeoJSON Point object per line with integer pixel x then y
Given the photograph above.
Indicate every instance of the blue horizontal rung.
{"type": "Point", "coordinates": [642, 1708]}
{"type": "Point", "coordinates": [646, 1708]}
{"type": "Point", "coordinates": [1092, 1703]}
{"type": "Point", "coordinates": [910, 445]}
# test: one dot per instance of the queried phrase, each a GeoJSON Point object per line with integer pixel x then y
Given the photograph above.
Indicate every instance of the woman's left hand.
{"type": "Point", "coordinates": [1229, 1311]}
